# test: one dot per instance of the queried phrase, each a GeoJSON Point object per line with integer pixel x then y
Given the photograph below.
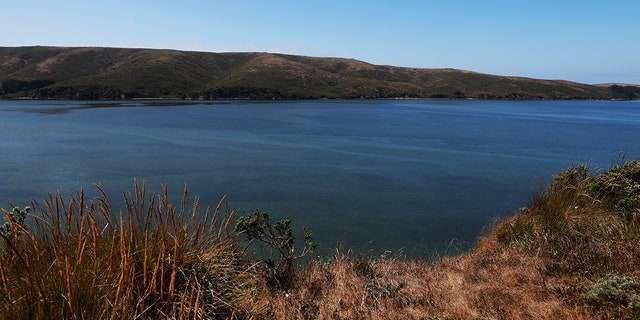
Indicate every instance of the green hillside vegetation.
{"type": "Point", "coordinates": [571, 253]}
{"type": "Point", "coordinates": [114, 73]}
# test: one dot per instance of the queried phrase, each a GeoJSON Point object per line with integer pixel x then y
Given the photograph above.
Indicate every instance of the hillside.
{"type": "Point", "coordinates": [571, 253]}
{"type": "Point", "coordinates": [116, 73]}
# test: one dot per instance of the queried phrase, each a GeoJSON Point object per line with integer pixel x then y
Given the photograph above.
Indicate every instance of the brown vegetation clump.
{"type": "Point", "coordinates": [81, 259]}
{"type": "Point", "coordinates": [502, 284]}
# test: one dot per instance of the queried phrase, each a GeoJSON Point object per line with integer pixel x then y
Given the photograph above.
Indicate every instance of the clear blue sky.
{"type": "Point", "coordinates": [583, 40]}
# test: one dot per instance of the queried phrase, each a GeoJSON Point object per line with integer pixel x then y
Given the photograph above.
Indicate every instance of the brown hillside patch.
{"type": "Point", "coordinates": [500, 284]}
{"type": "Point", "coordinates": [277, 64]}
{"type": "Point", "coordinates": [13, 61]}
{"type": "Point", "coordinates": [46, 65]}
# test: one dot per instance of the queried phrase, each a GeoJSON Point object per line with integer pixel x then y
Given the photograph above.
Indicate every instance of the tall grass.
{"type": "Point", "coordinates": [81, 259]}
{"type": "Point", "coordinates": [583, 223]}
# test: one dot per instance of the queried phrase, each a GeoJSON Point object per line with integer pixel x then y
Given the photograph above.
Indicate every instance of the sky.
{"type": "Point", "coordinates": [584, 41]}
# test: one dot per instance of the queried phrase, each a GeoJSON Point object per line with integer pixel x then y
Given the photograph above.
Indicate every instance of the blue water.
{"type": "Point", "coordinates": [417, 176]}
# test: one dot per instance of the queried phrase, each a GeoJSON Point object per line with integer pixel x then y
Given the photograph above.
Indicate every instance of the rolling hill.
{"type": "Point", "coordinates": [119, 73]}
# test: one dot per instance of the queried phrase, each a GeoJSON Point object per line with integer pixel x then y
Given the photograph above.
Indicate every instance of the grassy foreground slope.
{"type": "Point", "coordinates": [572, 253]}
{"type": "Point", "coordinates": [114, 73]}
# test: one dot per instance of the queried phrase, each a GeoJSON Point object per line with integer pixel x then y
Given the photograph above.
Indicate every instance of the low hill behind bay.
{"type": "Point", "coordinates": [118, 73]}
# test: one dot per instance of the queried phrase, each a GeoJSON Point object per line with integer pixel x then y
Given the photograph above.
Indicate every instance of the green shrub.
{"type": "Point", "coordinates": [279, 238]}
{"type": "Point", "coordinates": [15, 222]}
{"type": "Point", "coordinates": [619, 189]}
{"type": "Point", "coordinates": [618, 290]}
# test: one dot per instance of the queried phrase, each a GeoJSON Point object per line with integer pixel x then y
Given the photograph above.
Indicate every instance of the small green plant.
{"type": "Point", "coordinates": [363, 267]}
{"type": "Point", "coordinates": [569, 178]}
{"type": "Point", "coordinates": [278, 237]}
{"type": "Point", "coordinates": [15, 222]}
{"type": "Point", "coordinates": [618, 290]}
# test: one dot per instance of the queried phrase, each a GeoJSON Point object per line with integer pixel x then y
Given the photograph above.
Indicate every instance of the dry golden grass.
{"type": "Point", "coordinates": [152, 260]}
{"type": "Point", "coordinates": [498, 284]}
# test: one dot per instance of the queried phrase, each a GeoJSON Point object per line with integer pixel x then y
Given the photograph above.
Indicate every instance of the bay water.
{"type": "Point", "coordinates": [408, 176]}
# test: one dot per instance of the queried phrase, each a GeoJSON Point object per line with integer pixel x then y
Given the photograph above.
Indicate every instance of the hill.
{"type": "Point", "coordinates": [118, 73]}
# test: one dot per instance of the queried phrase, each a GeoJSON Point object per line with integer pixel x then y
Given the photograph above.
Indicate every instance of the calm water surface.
{"type": "Point", "coordinates": [417, 176]}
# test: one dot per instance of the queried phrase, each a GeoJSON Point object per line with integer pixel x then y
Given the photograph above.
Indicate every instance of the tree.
{"type": "Point", "coordinates": [279, 237]}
